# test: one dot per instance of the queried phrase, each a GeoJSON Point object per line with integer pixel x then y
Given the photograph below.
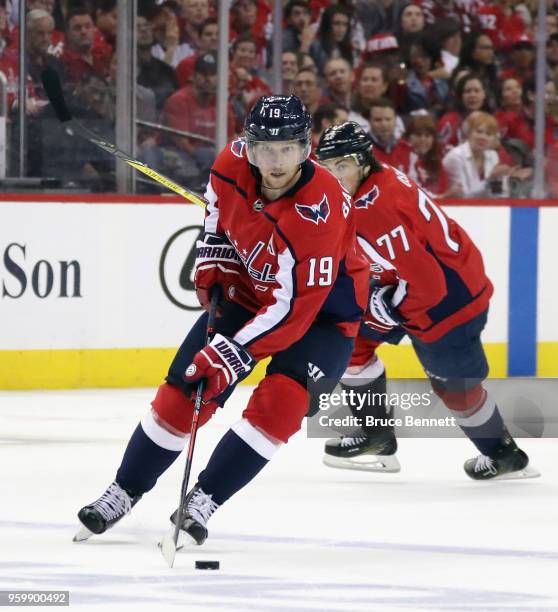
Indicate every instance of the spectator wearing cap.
{"type": "Point", "coordinates": [307, 88]}
{"type": "Point", "coordinates": [425, 92]}
{"type": "Point", "coordinates": [193, 109]}
{"type": "Point", "coordinates": [208, 40]}
{"type": "Point", "coordinates": [299, 32]}
{"type": "Point", "coordinates": [80, 57]}
{"type": "Point", "coordinates": [469, 96]}
{"type": "Point", "coordinates": [478, 56]}
{"type": "Point", "coordinates": [339, 79]}
{"type": "Point", "coordinates": [387, 147]}
{"type": "Point", "coordinates": [334, 37]}
{"type": "Point", "coordinates": [380, 16]}
{"type": "Point", "coordinates": [152, 73]}
{"type": "Point", "coordinates": [475, 164]}
{"type": "Point", "coordinates": [522, 59]}
{"type": "Point", "coordinates": [426, 166]}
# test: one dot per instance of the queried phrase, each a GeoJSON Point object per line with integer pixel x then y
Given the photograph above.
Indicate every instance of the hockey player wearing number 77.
{"type": "Point", "coordinates": [428, 281]}
{"type": "Point", "coordinates": [280, 241]}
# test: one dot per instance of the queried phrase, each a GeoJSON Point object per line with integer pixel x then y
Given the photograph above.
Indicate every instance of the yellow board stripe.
{"type": "Point", "coordinates": [141, 367]}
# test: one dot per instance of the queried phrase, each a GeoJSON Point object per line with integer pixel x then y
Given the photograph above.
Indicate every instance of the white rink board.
{"type": "Point", "coordinates": [547, 315]}
{"type": "Point", "coordinates": [119, 250]}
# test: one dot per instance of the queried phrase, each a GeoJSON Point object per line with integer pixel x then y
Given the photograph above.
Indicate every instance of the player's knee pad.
{"type": "Point", "coordinates": [277, 406]}
{"type": "Point", "coordinates": [174, 410]}
{"type": "Point", "coordinates": [465, 402]}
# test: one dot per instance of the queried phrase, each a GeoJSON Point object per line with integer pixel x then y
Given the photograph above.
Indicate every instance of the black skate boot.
{"type": "Point", "coordinates": [507, 462]}
{"type": "Point", "coordinates": [199, 508]}
{"type": "Point", "coordinates": [114, 504]}
{"type": "Point", "coordinates": [373, 453]}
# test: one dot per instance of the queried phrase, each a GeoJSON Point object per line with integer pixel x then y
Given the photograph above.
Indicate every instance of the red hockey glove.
{"type": "Point", "coordinates": [223, 362]}
{"type": "Point", "coordinates": [383, 315]}
{"type": "Point", "coordinates": [217, 263]}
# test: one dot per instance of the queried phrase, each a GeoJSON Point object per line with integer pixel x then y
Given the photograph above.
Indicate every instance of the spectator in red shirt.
{"type": "Point", "coordinates": [106, 16]}
{"type": "Point", "coordinates": [245, 86]}
{"type": "Point", "coordinates": [501, 23]}
{"type": "Point", "coordinates": [426, 159]}
{"type": "Point", "coordinates": [193, 109]}
{"type": "Point", "coordinates": [512, 119]}
{"type": "Point", "coordinates": [339, 78]}
{"type": "Point", "coordinates": [307, 88]}
{"type": "Point", "coordinates": [252, 17]}
{"type": "Point", "coordinates": [208, 40]}
{"type": "Point", "coordinates": [470, 95]}
{"type": "Point", "coordinates": [80, 58]}
{"type": "Point", "coordinates": [522, 59]}
{"type": "Point", "coordinates": [387, 147]}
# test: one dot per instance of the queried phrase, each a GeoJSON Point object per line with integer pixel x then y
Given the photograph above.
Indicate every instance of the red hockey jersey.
{"type": "Point", "coordinates": [302, 261]}
{"type": "Point", "coordinates": [414, 244]}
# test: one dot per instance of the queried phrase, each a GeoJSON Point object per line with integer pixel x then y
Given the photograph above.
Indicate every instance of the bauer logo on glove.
{"type": "Point", "coordinates": [223, 362]}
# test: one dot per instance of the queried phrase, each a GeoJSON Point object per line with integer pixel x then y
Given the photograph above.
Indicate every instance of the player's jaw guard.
{"type": "Point", "coordinates": [278, 119]}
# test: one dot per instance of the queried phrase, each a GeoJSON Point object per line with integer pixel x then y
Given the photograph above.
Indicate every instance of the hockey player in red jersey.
{"type": "Point", "coordinates": [429, 283]}
{"type": "Point", "coordinates": [280, 241]}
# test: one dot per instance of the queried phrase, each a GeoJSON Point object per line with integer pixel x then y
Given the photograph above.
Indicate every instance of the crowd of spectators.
{"type": "Point", "coordinates": [446, 89]}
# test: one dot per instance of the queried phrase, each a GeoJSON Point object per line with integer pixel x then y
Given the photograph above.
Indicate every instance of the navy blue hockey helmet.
{"type": "Point", "coordinates": [347, 139]}
{"type": "Point", "coordinates": [276, 119]}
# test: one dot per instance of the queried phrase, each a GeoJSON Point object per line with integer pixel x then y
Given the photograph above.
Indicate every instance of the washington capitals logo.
{"type": "Point", "coordinates": [368, 199]}
{"type": "Point", "coordinates": [237, 147]}
{"type": "Point", "coordinates": [314, 212]}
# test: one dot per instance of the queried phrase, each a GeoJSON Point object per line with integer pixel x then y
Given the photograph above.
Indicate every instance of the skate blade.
{"type": "Point", "coordinates": [82, 535]}
{"type": "Point", "coordinates": [527, 472]}
{"type": "Point", "coordinates": [366, 463]}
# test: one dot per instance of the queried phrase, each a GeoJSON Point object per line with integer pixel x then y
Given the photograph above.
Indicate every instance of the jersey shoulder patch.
{"type": "Point", "coordinates": [314, 212]}
{"type": "Point", "coordinates": [238, 147]}
{"type": "Point", "coordinates": [368, 199]}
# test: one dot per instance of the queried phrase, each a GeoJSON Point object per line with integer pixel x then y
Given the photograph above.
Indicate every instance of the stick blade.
{"type": "Point", "coordinates": [53, 89]}
{"type": "Point", "coordinates": [168, 547]}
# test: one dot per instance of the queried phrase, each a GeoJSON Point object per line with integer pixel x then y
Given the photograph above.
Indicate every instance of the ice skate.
{"type": "Point", "coordinates": [199, 509]}
{"type": "Point", "coordinates": [369, 453]}
{"type": "Point", "coordinates": [506, 463]}
{"type": "Point", "coordinates": [96, 518]}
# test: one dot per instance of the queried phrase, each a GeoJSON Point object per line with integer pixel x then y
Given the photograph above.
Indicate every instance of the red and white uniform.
{"type": "Point", "coordinates": [302, 262]}
{"type": "Point", "coordinates": [413, 243]}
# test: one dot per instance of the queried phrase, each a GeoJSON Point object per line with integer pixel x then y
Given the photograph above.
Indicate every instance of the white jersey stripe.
{"type": "Point", "coordinates": [276, 313]}
{"type": "Point", "coordinates": [212, 210]}
{"type": "Point", "coordinates": [373, 254]}
{"type": "Point", "coordinates": [256, 439]}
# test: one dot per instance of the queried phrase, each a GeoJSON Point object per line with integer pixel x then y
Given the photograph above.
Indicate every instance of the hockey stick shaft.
{"type": "Point", "coordinates": [169, 548]}
{"type": "Point", "coordinates": [53, 89]}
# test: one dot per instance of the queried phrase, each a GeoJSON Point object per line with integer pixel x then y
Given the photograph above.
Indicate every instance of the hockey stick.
{"type": "Point", "coordinates": [53, 89]}
{"type": "Point", "coordinates": [169, 542]}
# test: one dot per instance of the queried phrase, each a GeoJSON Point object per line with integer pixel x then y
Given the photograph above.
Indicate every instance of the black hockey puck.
{"type": "Point", "coordinates": [207, 565]}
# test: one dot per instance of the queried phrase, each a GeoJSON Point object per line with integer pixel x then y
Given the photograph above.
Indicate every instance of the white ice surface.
{"type": "Point", "coordinates": [300, 537]}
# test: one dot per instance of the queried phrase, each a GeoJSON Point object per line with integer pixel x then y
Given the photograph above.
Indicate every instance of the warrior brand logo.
{"type": "Point", "coordinates": [176, 267]}
{"type": "Point", "coordinates": [221, 252]}
{"type": "Point", "coordinates": [368, 199]}
{"type": "Point", "coordinates": [237, 147]}
{"type": "Point", "coordinates": [314, 212]}
{"type": "Point", "coordinates": [314, 372]}
{"type": "Point", "coordinates": [230, 356]}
